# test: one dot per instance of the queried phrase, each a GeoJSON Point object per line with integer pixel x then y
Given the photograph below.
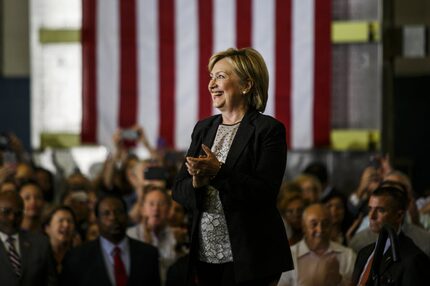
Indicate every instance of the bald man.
{"type": "Point", "coordinates": [25, 258]}
{"type": "Point", "coordinates": [317, 260]}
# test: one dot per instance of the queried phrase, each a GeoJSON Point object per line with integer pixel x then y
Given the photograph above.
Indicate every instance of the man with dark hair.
{"type": "Point", "coordinates": [113, 259]}
{"type": "Point", "coordinates": [25, 258]}
{"type": "Point", "coordinates": [387, 205]}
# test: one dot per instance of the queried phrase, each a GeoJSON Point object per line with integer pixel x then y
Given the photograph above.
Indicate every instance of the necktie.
{"type": "Point", "coordinates": [119, 268]}
{"type": "Point", "coordinates": [366, 273]}
{"type": "Point", "coordinates": [13, 256]}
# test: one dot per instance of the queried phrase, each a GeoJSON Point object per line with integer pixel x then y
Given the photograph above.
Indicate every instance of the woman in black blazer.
{"type": "Point", "coordinates": [231, 178]}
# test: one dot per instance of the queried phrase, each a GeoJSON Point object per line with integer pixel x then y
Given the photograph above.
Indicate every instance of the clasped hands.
{"type": "Point", "coordinates": [203, 168]}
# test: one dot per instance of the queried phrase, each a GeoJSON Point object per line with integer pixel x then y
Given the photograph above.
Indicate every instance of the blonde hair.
{"type": "Point", "coordinates": [249, 65]}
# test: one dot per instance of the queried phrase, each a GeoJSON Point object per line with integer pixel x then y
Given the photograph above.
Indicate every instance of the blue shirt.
{"type": "Point", "coordinates": [107, 250]}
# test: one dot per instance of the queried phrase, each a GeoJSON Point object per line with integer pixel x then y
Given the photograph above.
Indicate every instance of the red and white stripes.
{"type": "Point", "coordinates": [145, 62]}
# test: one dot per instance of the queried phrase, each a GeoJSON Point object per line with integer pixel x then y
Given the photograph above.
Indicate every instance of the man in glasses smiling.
{"type": "Point", "coordinates": [20, 250]}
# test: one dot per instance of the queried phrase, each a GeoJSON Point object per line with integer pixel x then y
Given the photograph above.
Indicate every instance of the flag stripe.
{"type": "Point", "coordinates": [167, 76]}
{"type": "Point", "coordinates": [243, 23]}
{"type": "Point", "coordinates": [148, 101]}
{"type": "Point", "coordinates": [283, 64]}
{"type": "Point", "coordinates": [107, 69]}
{"type": "Point", "coordinates": [128, 64]}
{"type": "Point", "coordinates": [186, 70]}
{"type": "Point", "coordinates": [89, 91]}
{"type": "Point", "coordinates": [205, 28]}
{"type": "Point", "coordinates": [302, 75]}
{"type": "Point", "coordinates": [263, 40]}
{"type": "Point", "coordinates": [322, 73]}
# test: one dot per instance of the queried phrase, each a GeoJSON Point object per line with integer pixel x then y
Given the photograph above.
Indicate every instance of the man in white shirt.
{"type": "Point", "coordinates": [317, 260]}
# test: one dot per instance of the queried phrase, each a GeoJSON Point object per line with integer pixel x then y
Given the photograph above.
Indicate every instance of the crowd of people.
{"type": "Point", "coordinates": [59, 217]}
{"type": "Point", "coordinates": [223, 209]}
{"type": "Point", "coordinates": [326, 227]}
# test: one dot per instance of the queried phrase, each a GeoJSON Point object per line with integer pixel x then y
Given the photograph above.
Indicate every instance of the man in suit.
{"type": "Point", "coordinates": [113, 259]}
{"type": "Point", "coordinates": [25, 258]}
{"type": "Point", "coordinates": [387, 205]}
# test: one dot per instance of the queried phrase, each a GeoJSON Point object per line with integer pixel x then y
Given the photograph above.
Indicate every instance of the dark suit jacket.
{"type": "Point", "coordinates": [37, 262]}
{"type": "Point", "coordinates": [413, 268]}
{"type": "Point", "coordinates": [248, 185]}
{"type": "Point", "coordinates": [85, 265]}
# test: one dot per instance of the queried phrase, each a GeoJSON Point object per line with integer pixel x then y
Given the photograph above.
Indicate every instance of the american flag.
{"type": "Point", "coordinates": [145, 62]}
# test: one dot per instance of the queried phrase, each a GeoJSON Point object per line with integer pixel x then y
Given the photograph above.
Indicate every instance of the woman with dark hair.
{"type": "Point", "coordinates": [60, 227]}
{"type": "Point", "coordinates": [340, 219]}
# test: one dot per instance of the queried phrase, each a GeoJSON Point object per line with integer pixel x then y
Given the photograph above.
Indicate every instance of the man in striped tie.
{"type": "Point", "coordinates": [25, 258]}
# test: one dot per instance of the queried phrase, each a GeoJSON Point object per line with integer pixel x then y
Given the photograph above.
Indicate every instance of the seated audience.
{"type": "Point", "coordinates": [317, 260]}
{"type": "Point", "coordinates": [388, 205]}
{"type": "Point", "coordinates": [60, 226]}
{"type": "Point", "coordinates": [340, 220]}
{"type": "Point", "coordinates": [25, 258]}
{"type": "Point", "coordinates": [368, 235]}
{"type": "Point", "coordinates": [319, 170]}
{"type": "Point", "coordinates": [291, 208]}
{"type": "Point", "coordinates": [45, 179]}
{"type": "Point", "coordinates": [311, 188]}
{"type": "Point", "coordinates": [32, 195]}
{"type": "Point", "coordinates": [154, 228]}
{"type": "Point", "coordinates": [78, 202]}
{"type": "Point", "coordinates": [113, 258]}
{"type": "Point", "coordinates": [92, 232]}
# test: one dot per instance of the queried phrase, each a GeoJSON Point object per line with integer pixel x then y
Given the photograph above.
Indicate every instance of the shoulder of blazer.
{"type": "Point", "coordinates": [207, 122]}
{"type": "Point", "coordinates": [142, 248]}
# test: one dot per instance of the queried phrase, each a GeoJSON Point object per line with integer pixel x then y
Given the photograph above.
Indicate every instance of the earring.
{"type": "Point", "coordinates": [244, 92]}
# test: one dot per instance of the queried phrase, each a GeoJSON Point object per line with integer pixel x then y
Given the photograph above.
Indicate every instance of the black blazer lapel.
{"type": "Point", "coordinates": [26, 249]}
{"type": "Point", "coordinates": [244, 133]}
{"type": "Point", "coordinates": [99, 267]}
{"type": "Point", "coordinates": [4, 259]}
{"type": "Point", "coordinates": [209, 133]}
{"type": "Point", "coordinates": [386, 262]}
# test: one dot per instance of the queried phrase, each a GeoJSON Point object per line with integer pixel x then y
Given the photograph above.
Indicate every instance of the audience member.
{"type": "Point", "coordinates": [45, 179]}
{"type": "Point", "coordinates": [291, 208]}
{"type": "Point", "coordinates": [60, 226]}
{"type": "Point", "coordinates": [32, 195]}
{"type": "Point", "coordinates": [367, 236]}
{"type": "Point", "coordinates": [311, 188]}
{"type": "Point", "coordinates": [317, 260]}
{"type": "Point", "coordinates": [92, 232]}
{"type": "Point", "coordinates": [8, 185]}
{"type": "Point", "coordinates": [397, 178]}
{"type": "Point", "coordinates": [336, 204]}
{"type": "Point", "coordinates": [369, 181]}
{"type": "Point", "coordinates": [388, 205]}
{"type": "Point", "coordinates": [25, 258]}
{"type": "Point", "coordinates": [319, 170]}
{"type": "Point", "coordinates": [78, 202]}
{"type": "Point", "coordinates": [23, 172]}
{"type": "Point", "coordinates": [113, 258]}
{"type": "Point", "coordinates": [154, 228]}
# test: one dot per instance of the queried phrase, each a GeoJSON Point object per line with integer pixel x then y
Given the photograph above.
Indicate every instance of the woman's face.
{"type": "Point", "coordinates": [33, 200]}
{"type": "Point", "coordinates": [155, 209]}
{"type": "Point", "coordinates": [225, 87]}
{"type": "Point", "coordinates": [62, 227]}
{"type": "Point", "coordinates": [336, 210]}
{"type": "Point", "coordinates": [293, 213]}
{"type": "Point", "coordinates": [309, 191]}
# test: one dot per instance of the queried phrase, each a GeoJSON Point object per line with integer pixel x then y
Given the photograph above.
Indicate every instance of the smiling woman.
{"type": "Point", "coordinates": [60, 226]}
{"type": "Point", "coordinates": [231, 178]}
